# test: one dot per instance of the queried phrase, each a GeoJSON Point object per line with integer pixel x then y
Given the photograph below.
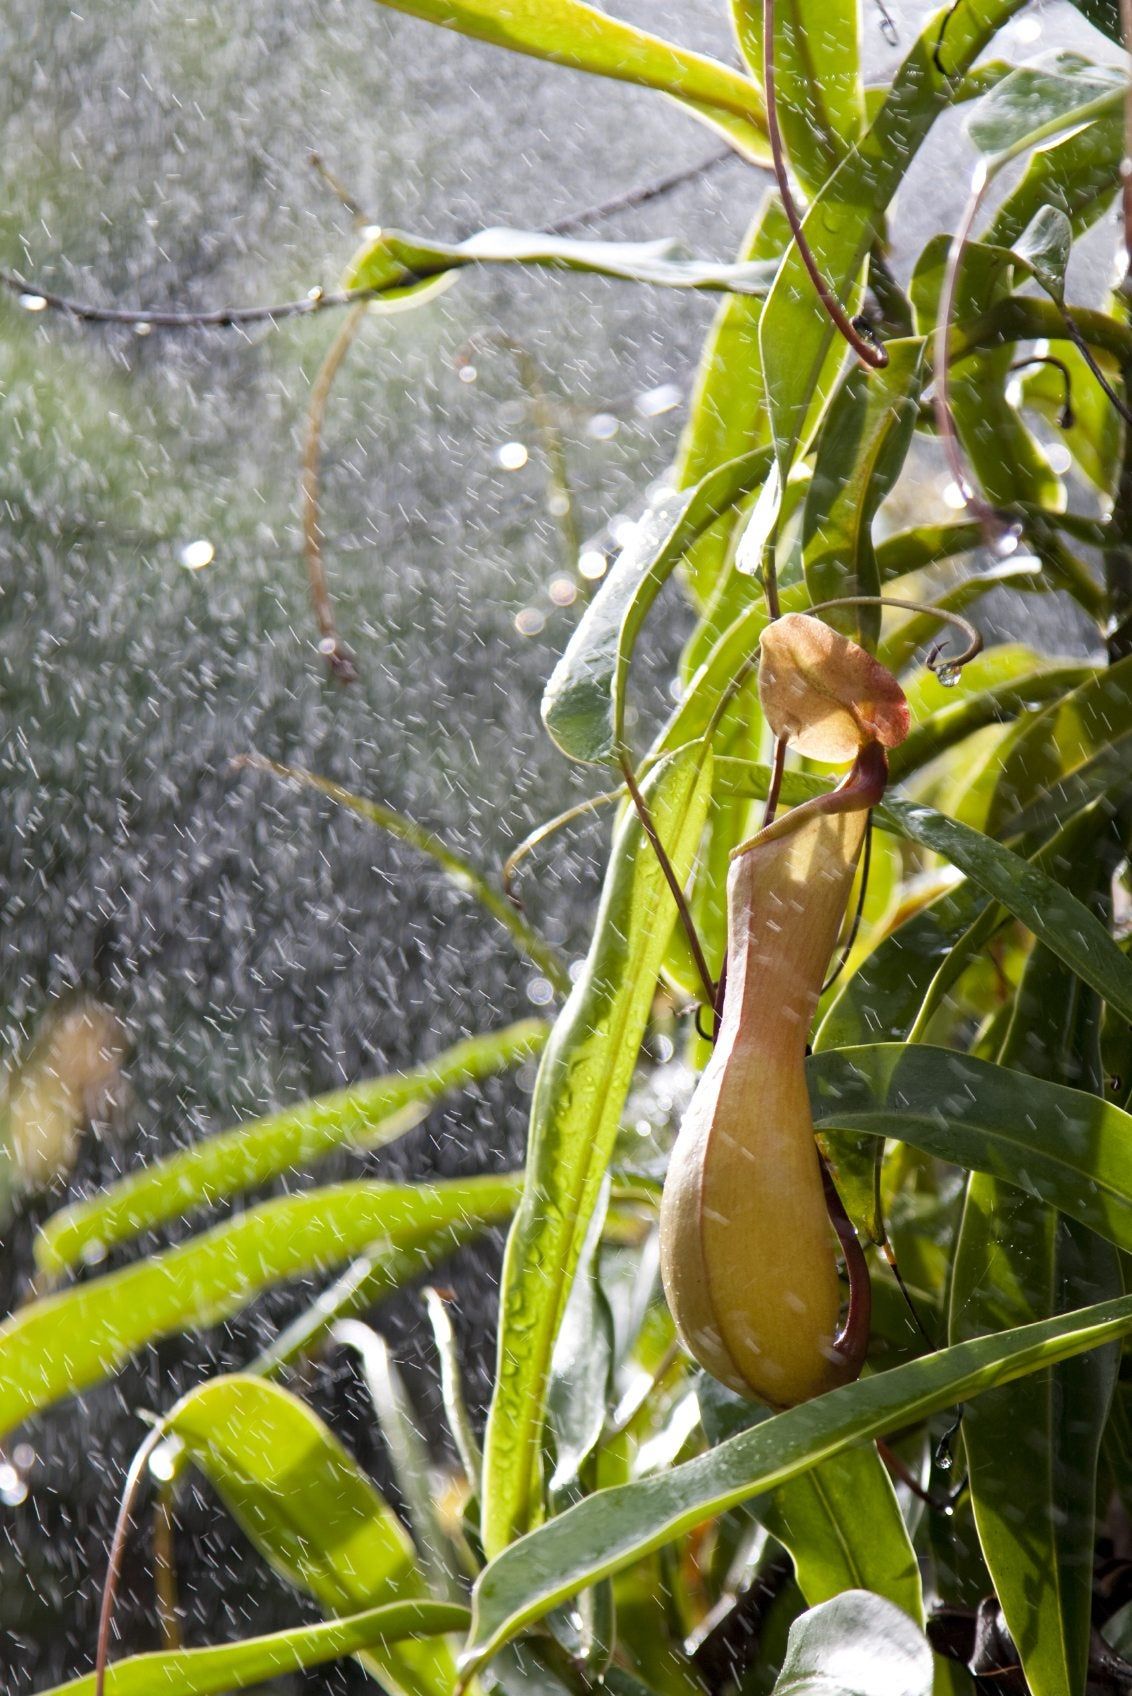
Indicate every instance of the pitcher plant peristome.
{"type": "Point", "coordinates": [748, 1254]}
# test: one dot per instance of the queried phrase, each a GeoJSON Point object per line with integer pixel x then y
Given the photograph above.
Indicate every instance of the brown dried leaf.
{"type": "Point", "coordinates": [825, 695]}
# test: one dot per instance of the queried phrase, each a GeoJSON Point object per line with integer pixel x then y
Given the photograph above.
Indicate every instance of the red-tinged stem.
{"type": "Point", "coordinates": [868, 352]}
{"type": "Point", "coordinates": [852, 1341]}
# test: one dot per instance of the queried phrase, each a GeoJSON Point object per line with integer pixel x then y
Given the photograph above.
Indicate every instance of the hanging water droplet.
{"type": "Point", "coordinates": [948, 675]}
{"type": "Point", "coordinates": [1007, 540]}
{"type": "Point", "coordinates": [33, 303]}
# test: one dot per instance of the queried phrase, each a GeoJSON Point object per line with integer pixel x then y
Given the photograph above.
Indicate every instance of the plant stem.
{"type": "Point", "coordinates": [868, 352]}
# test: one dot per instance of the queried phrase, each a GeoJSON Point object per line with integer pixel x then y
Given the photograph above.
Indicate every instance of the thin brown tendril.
{"type": "Point", "coordinates": [117, 1549]}
{"type": "Point", "coordinates": [649, 826]}
{"type": "Point", "coordinates": [890, 1256]}
{"type": "Point", "coordinates": [338, 657]}
{"type": "Point", "coordinates": [858, 911]}
{"type": "Point", "coordinates": [1066, 417]}
{"type": "Point", "coordinates": [212, 318]}
{"type": "Point", "coordinates": [852, 1341]}
{"type": "Point", "coordinates": [937, 660]}
{"type": "Point", "coordinates": [868, 351]}
{"type": "Point", "coordinates": [542, 833]}
{"type": "Point", "coordinates": [778, 766]}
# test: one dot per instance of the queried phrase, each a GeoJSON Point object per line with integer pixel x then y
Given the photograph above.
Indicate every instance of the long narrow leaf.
{"type": "Point", "coordinates": [614, 1527]}
{"type": "Point", "coordinates": [567, 32]}
{"type": "Point", "coordinates": [64, 1343]}
{"type": "Point", "coordinates": [582, 1084]}
{"type": "Point", "coordinates": [393, 263]}
{"type": "Point", "coordinates": [365, 1116]}
{"type": "Point", "coordinates": [254, 1660]}
{"type": "Point", "coordinates": [1064, 1146]}
{"type": "Point", "coordinates": [310, 1511]}
{"type": "Point", "coordinates": [583, 707]}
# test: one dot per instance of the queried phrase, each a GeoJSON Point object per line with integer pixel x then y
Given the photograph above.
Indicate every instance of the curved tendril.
{"type": "Point", "coordinates": [858, 912]}
{"type": "Point", "coordinates": [851, 1342]}
{"type": "Point", "coordinates": [543, 832]}
{"type": "Point", "coordinates": [117, 1549]}
{"type": "Point", "coordinates": [937, 660]}
{"type": "Point", "coordinates": [648, 825]}
{"type": "Point", "coordinates": [868, 350]}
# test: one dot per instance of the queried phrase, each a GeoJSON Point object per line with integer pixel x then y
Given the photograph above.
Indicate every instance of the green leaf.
{"type": "Point", "coordinates": [1057, 744]}
{"type": "Point", "coordinates": [254, 1660]}
{"type": "Point", "coordinates": [842, 1525]}
{"type": "Point", "coordinates": [727, 412]}
{"type": "Point", "coordinates": [567, 32]}
{"type": "Point", "coordinates": [860, 453]}
{"type": "Point", "coordinates": [584, 704]}
{"type": "Point", "coordinates": [924, 545]}
{"type": "Point", "coordinates": [1032, 1448]}
{"type": "Point", "coordinates": [1076, 174]}
{"type": "Point", "coordinates": [1000, 704]}
{"type": "Point", "coordinates": [613, 1528]}
{"type": "Point", "coordinates": [1045, 246]}
{"type": "Point", "coordinates": [63, 1343]}
{"type": "Point", "coordinates": [1058, 918]}
{"type": "Point", "coordinates": [408, 1454]}
{"type": "Point", "coordinates": [1021, 108]}
{"type": "Point", "coordinates": [310, 1511]}
{"type": "Point", "coordinates": [392, 261]}
{"type": "Point", "coordinates": [1101, 779]}
{"type": "Point", "coordinates": [365, 1116]}
{"type": "Point", "coordinates": [583, 1080]}
{"type": "Point", "coordinates": [817, 72]}
{"type": "Point", "coordinates": [855, 1645]}
{"type": "Point", "coordinates": [846, 216]}
{"type": "Point", "coordinates": [1063, 1146]}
